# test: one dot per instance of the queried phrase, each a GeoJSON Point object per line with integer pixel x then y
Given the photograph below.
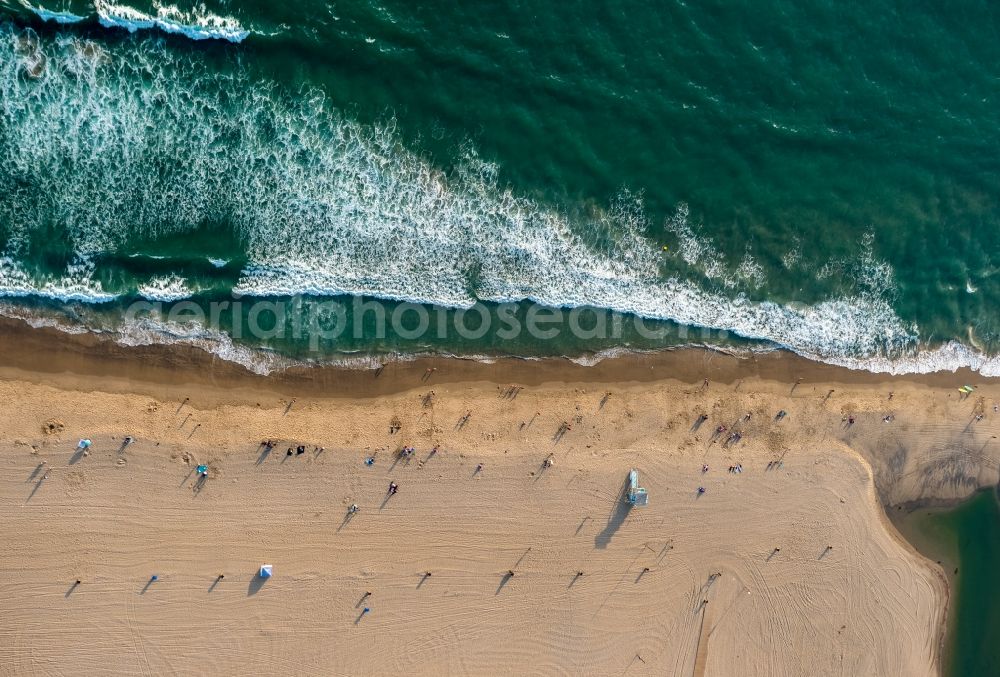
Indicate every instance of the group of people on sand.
{"type": "Point", "coordinates": [268, 446]}
{"type": "Point", "coordinates": [299, 450]}
{"type": "Point", "coordinates": [734, 437]}
{"type": "Point", "coordinates": [511, 391]}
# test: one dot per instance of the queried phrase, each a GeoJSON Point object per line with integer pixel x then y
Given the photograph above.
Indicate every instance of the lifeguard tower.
{"type": "Point", "coordinates": [636, 496]}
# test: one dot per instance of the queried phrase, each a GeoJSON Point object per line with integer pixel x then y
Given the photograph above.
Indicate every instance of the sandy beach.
{"type": "Point", "coordinates": [787, 567]}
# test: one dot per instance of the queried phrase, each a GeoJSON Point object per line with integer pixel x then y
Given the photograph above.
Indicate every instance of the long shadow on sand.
{"type": "Point", "coordinates": [618, 514]}
{"type": "Point", "coordinates": [34, 489]}
{"type": "Point", "coordinates": [348, 518]}
{"type": "Point", "coordinates": [256, 583]}
{"type": "Point", "coordinates": [36, 472]}
{"type": "Point", "coordinates": [504, 580]}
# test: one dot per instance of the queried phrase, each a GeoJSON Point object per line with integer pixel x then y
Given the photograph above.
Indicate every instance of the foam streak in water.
{"type": "Point", "coordinates": [50, 15]}
{"type": "Point", "coordinates": [76, 285]}
{"type": "Point", "coordinates": [112, 145]}
{"type": "Point", "coordinates": [169, 288]}
{"type": "Point", "coordinates": [197, 23]}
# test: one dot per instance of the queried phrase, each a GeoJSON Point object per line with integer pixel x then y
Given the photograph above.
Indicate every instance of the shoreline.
{"type": "Point", "coordinates": [904, 525]}
{"type": "Point", "coordinates": [48, 355]}
{"type": "Point", "coordinates": [88, 363]}
{"type": "Point", "coordinates": [945, 549]}
{"type": "Point", "coordinates": [902, 528]}
{"type": "Point", "coordinates": [47, 351]}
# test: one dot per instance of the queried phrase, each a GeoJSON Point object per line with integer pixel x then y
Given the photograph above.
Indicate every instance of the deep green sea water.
{"type": "Point", "coordinates": [823, 177]}
{"type": "Point", "coordinates": [967, 537]}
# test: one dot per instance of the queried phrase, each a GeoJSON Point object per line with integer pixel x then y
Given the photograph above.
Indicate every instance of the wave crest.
{"type": "Point", "coordinates": [135, 141]}
{"type": "Point", "coordinates": [196, 23]}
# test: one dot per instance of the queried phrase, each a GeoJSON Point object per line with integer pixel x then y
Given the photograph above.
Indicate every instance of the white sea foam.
{"type": "Point", "coordinates": [39, 320]}
{"type": "Point", "coordinates": [197, 23]}
{"type": "Point", "coordinates": [697, 251]}
{"type": "Point", "coordinates": [592, 359]}
{"type": "Point", "coordinates": [951, 356]}
{"type": "Point", "coordinates": [50, 15]}
{"type": "Point", "coordinates": [791, 258]}
{"type": "Point", "coordinates": [325, 205]}
{"type": "Point", "coordinates": [218, 263]}
{"type": "Point", "coordinates": [167, 288]}
{"type": "Point", "coordinates": [76, 285]}
{"type": "Point", "coordinates": [750, 271]}
{"type": "Point", "coordinates": [147, 331]}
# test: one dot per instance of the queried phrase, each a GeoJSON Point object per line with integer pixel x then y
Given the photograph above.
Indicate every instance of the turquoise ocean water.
{"type": "Point", "coordinates": [754, 174]}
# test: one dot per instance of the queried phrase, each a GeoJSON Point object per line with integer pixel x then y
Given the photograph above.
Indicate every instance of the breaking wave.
{"type": "Point", "coordinates": [115, 143]}
{"type": "Point", "coordinates": [76, 284]}
{"type": "Point", "coordinates": [168, 288]}
{"type": "Point", "coordinates": [196, 23]}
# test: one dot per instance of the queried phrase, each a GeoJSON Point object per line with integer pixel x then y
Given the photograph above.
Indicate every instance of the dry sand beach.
{"type": "Point", "coordinates": [786, 568]}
